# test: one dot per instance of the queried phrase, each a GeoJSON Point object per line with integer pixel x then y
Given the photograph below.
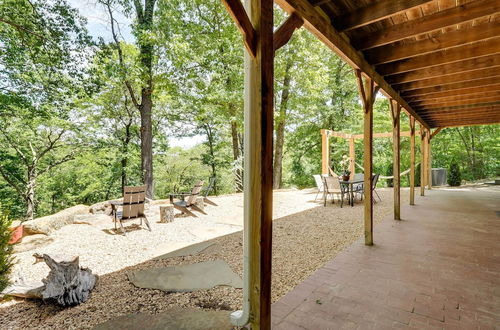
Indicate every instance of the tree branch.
{"type": "Point", "coordinates": [11, 182]}
{"type": "Point", "coordinates": [14, 146]}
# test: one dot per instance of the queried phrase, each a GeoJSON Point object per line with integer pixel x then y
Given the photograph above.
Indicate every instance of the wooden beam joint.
{"type": "Point", "coordinates": [240, 17]}
{"type": "Point", "coordinates": [285, 31]}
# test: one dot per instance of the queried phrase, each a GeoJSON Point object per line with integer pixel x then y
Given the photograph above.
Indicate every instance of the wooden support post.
{"type": "Point", "coordinates": [258, 181]}
{"type": "Point", "coordinates": [367, 91]}
{"type": "Point", "coordinates": [325, 152]}
{"type": "Point", "coordinates": [395, 113]}
{"type": "Point", "coordinates": [422, 161]}
{"type": "Point", "coordinates": [429, 161]}
{"type": "Point", "coordinates": [412, 160]}
{"type": "Point", "coordinates": [352, 156]}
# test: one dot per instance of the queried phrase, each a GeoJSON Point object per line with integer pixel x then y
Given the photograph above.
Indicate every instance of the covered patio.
{"type": "Point", "coordinates": [439, 267]}
{"type": "Point", "coordinates": [436, 60]}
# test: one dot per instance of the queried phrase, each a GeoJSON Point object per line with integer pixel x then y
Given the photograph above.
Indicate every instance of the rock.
{"type": "Point", "coordinates": [91, 219]}
{"type": "Point", "coordinates": [32, 242]}
{"type": "Point", "coordinates": [101, 208]}
{"type": "Point", "coordinates": [51, 223]}
{"type": "Point", "coordinates": [166, 213]}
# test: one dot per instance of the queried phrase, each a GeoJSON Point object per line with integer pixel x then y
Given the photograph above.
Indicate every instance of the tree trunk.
{"type": "Point", "coordinates": [236, 152]}
{"type": "Point", "coordinates": [280, 130]}
{"type": "Point", "coordinates": [146, 50]}
{"type": "Point", "coordinates": [30, 193]}
{"type": "Point", "coordinates": [211, 150]}
{"type": "Point", "coordinates": [124, 161]}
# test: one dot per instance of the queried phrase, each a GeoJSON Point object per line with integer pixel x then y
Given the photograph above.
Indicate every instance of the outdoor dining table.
{"type": "Point", "coordinates": [350, 186]}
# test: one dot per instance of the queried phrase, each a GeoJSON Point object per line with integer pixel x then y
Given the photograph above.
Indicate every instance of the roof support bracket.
{"type": "Point", "coordinates": [240, 17]}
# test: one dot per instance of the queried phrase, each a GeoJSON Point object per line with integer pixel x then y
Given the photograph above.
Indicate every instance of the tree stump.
{"type": "Point", "coordinates": [200, 203]}
{"type": "Point", "coordinates": [166, 213]}
{"type": "Point", "coordinates": [67, 284]}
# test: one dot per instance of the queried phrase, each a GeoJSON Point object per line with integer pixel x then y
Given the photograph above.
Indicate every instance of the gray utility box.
{"type": "Point", "coordinates": [439, 177]}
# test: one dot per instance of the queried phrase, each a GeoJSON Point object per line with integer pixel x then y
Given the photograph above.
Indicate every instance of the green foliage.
{"type": "Point", "coordinates": [417, 175]}
{"type": "Point", "coordinates": [454, 175]}
{"type": "Point", "coordinates": [389, 172]}
{"type": "Point", "coordinates": [5, 249]}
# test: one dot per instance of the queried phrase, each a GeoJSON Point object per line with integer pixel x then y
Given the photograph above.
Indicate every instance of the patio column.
{"type": "Point", "coordinates": [367, 91]}
{"type": "Point", "coordinates": [422, 161]}
{"type": "Point", "coordinates": [352, 155]}
{"type": "Point", "coordinates": [429, 161]}
{"type": "Point", "coordinates": [412, 160]}
{"type": "Point", "coordinates": [325, 151]}
{"type": "Point", "coordinates": [395, 113]}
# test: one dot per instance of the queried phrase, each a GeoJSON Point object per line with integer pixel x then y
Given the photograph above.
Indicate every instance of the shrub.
{"type": "Point", "coordinates": [5, 250]}
{"type": "Point", "coordinates": [389, 172]}
{"type": "Point", "coordinates": [454, 175]}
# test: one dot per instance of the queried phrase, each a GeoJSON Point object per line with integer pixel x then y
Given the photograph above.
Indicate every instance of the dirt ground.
{"type": "Point", "coordinates": [303, 240]}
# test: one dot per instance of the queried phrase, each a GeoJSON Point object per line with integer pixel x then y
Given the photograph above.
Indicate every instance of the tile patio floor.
{"type": "Point", "coordinates": [438, 268]}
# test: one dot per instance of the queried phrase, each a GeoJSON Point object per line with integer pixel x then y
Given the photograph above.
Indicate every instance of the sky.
{"type": "Point", "coordinates": [97, 25]}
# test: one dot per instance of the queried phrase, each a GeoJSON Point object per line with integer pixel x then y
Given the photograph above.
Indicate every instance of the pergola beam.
{"type": "Point", "coordinates": [429, 23]}
{"type": "Point", "coordinates": [473, 64]}
{"type": "Point", "coordinates": [374, 12]}
{"type": "Point", "coordinates": [439, 42]}
{"type": "Point", "coordinates": [436, 59]}
{"type": "Point", "coordinates": [321, 27]}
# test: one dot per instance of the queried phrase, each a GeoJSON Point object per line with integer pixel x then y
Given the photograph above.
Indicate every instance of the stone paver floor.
{"type": "Point", "coordinates": [438, 268]}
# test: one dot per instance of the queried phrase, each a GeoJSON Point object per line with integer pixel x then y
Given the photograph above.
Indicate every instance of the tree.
{"type": "Point", "coordinates": [454, 176]}
{"type": "Point", "coordinates": [144, 33]}
{"type": "Point", "coordinates": [44, 47]}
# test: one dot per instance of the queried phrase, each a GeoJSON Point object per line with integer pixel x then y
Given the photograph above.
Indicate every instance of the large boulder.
{"type": "Point", "coordinates": [102, 207]}
{"type": "Point", "coordinates": [51, 223]}
{"type": "Point", "coordinates": [32, 242]}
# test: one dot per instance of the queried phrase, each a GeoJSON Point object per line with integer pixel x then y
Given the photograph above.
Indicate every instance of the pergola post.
{"type": "Point", "coordinates": [429, 161]}
{"type": "Point", "coordinates": [367, 91]}
{"type": "Point", "coordinates": [352, 156]}
{"type": "Point", "coordinates": [412, 160]}
{"type": "Point", "coordinates": [395, 114]}
{"type": "Point", "coordinates": [422, 161]}
{"type": "Point", "coordinates": [325, 151]}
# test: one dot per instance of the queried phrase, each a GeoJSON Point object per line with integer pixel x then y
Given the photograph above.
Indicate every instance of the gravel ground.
{"type": "Point", "coordinates": [305, 236]}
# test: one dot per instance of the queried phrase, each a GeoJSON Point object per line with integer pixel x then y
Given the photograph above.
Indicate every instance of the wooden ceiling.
{"type": "Point", "coordinates": [440, 59]}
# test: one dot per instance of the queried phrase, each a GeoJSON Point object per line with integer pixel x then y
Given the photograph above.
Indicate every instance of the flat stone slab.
{"type": "Point", "coordinates": [186, 278]}
{"type": "Point", "coordinates": [190, 250]}
{"type": "Point", "coordinates": [173, 319]}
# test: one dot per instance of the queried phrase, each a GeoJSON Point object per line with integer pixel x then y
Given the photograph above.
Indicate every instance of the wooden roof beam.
{"type": "Point", "coordinates": [436, 59]}
{"type": "Point", "coordinates": [456, 99]}
{"type": "Point", "coordinates": [428, 23]}
{"type": "Point", "coordinates": [456, 103]}
{"type": "Point", "coordinates": [464, 125]}
{"type": "Point", "coordinates": [398, 51]}
{"type": "Point", "coordinates": [446, 69]}
{"type": "Point", "coordinates": [436, 131]}
{"type": "Point", "coordinates": [454, 89]}
{"type": "Point", "coordinates": [468, 122]}
{"type": "Point", "coordinates": [374, 12]}
{"type": "Point", "coordinates": [450, 79]}
{"type": "Point", "coordinates": [321, 27]}
{"type": "Point", "coordinates": [283, 34]}
{"type": "Point", "coordinates": [465, 91]}
{"type": "Point", "coordinates": [239, 15]}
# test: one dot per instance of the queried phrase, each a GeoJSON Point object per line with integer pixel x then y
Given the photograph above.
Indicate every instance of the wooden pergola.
{"type": "Point", "coordinates": [437, 60]}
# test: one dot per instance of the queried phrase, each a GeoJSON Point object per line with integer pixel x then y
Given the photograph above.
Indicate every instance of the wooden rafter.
{"type": "Point", "coordinates": [320, 26]}
{"type": "Point", "coordinates": [436, 131]}
{"type": "Point", "coordinates": [240, 17]}
{"type": "Point", "coordinates": [470, 102]}
{"type": "Point", "coordinates": [374, 12]}
{"type": "Point", "coordinates": [455, 100]}
{"type": "Point", "coordinates": [473, 64]}
{"type": "Point", "coordinates": [429, 23]}
{"type": "Point", "coordinates": [468, 122]}
{"type": "Point", "coordinates": [285, 31]}
{"type": "Point", "coordinates": [450, 79]}
{"type": "Point", "coordinates": [463, 91]}
{"type": "Point", "coordinates": [436, 59]}
{"type": "Point", "coordinates": [439, 42]}
{"type": "Point", "coordinates": [454, 89]}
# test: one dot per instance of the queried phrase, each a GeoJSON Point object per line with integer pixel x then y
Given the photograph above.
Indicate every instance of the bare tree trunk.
{"type": "Point", "coordinates": [211, 150]}
{"type": "Point", "coordinates": [236, 152]}
{"type": "Point", "coordinates": [280, 130]}
{"type": "Point", "coordinates": [124, 162]}
{"type": "Point", "coordinates": [30, 194]}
